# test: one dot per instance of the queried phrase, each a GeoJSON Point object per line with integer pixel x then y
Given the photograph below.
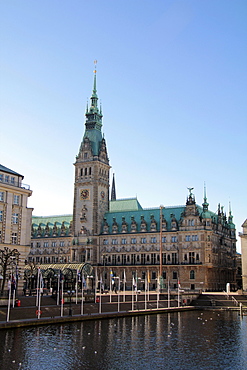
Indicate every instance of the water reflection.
{"type": "Point", "coordinates": [189, 340]}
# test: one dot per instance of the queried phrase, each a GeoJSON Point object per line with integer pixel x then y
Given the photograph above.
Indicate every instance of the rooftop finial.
{"type": "Point", "coordinates": [95, 65]}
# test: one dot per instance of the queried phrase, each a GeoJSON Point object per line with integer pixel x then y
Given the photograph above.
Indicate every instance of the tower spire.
{"type": "Point", "coordinates": [205, 203]}
{"type": "Point", "coordinates": [113, 189]}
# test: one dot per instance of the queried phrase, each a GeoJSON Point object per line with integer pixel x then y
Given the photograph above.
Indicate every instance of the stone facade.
{"type": "Point", "coordinates": [243, 237]}
{"type": "Point", "coordinates": [187, 246]}
{"type": "Point", "coordinates": [15, 217]}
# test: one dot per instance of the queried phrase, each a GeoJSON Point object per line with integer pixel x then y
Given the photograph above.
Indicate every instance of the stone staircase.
{"type": "Point", "coordinates": [220, 300]}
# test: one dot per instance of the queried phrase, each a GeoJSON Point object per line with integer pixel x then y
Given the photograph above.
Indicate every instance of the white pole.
{"type": "Point", "coordinates": [168, 292]}
{"type": "Point", "coordinates": [95, 287]}
{"type": "Point", "coordinates": [148, 284]}
{"type": "Point", "coordinates": [145, 292]}
{"type": "Point", "coordinates": [14, 298]}
{"type": "Point", "coordinates": [124, 287]}
{"type": "Point", "coordinates": [132, 293]}
{"type": "Point", "coordinates": [178, 294]}
{"type": "Point", "coordinates": [82, 298]}
{"type": "Point", "coordinates": [110, 286]}
{"type": "Point", "coordinates": [62, 299]}
{"type": "Point", "coordinates": [100, 294]}
{"type": "Point", "coordinates": [37, 295]}
{"type": "Point", "coordinates": [58, 288]}
{"type": "Point", "coordinates": [158, 292]}
{"type": "Point", "coordinates": [39, 299]}
{"type": "Point", "coordinates": [118, 301]}
{"type": "Point", "coordinates": [76, 288]}
{"type": "Point", "coordinates": [9, 287]}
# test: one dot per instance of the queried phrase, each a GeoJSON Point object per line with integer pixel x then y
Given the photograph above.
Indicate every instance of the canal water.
{"type": "Point", "coordinates": [186, 340]}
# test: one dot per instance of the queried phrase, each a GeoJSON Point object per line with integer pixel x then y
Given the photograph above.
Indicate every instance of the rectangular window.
{"type": "Point", "coordinates": [53, 244]}
{"type": "Point", "coordinates": [187, 238]}
{"type": "Point", "coordinates": [174, 275]}
{"type": "Point", "coordinates": [163, 239]}
{"type": "Point", "coordinates": [12, 180]}
{"type": "Point", "coordinates": [143, 240]}
{"type": "Point", "coordinates": [153, 239]}
{"type": "Point", "coordinates": [153, 275]}
{"type": "Point", "coordinates": [133, 241]}
{"type": "Point", "coordinates": [191, 257]}
{"type": "Point", "coordinates": [1, 216]}
{"type": "Point", "coordinates": [114, 259]}
{"type": "Point", "coordinates": [1, 196]}
{"type": "Point", "coordinates": [164, 274]}
{"type": "Point", "coordinates": [143, 258]}
{"type": "Point", "coordinates": [62, 244]}
{"type": "Point", "coordinates": [174, 239]}
{"type": "Point", "coordinates": [15, 217]}
{"type": "Point", "coordinates": [6, 178]}
{"type": "Point", "coordinates": [105, 241]}
{"type": "Point", "coordinates": [153, 258]}
{"type": "Point", "coordinates": [114, 241]}
{"type": "Point", "coordinates": [1, 177]}
{"type": "Point", "coordinates": [124, 241]}
{"type": "Point", "coordinates": [14, 238]}
{"type": "Point", "coordinates": [174, 258]}
{"type": "Point", "coordinates": [133, 259]}
{"type": "Point", "coordinates": [194, 238]}
{"type": "Point", "coordinates": [46, 245]}
{"type": "Point", "coordinates": [124, 259]}
{"type": "Point", "coordinates": [16, 199]}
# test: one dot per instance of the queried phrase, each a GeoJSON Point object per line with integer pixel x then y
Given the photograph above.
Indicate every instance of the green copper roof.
{"type": "Point", "coordinates": [121, 208]}
{"type": "Point", "coordinates": [44, 220]}
{"type": "Point", "coordinates": [123, 205]}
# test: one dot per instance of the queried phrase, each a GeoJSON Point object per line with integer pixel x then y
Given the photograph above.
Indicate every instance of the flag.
{"type": "Point", "coordinates": [148, 277]}
{"type": "Point", "coordinates": [84, 283]}
{"type": "Point", "coordinates": [78, 275]}
{"type": "Point", "coordinates": [134, 283]}
{"type": "Point", "coordinates": [179, 286]}
{"type": "Point", "coordinates": [124, 277]}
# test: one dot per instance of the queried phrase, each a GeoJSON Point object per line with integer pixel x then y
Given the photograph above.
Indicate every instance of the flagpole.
{"type": "Point", "coordinates": [39, 300]}
{"type": "Point", "coordinates": [118, 299]}
{"type": "Point", "coordinates": [145, 292]}
{"type": "Point", "coordinates": [124, 286]}
{"type": "Point", "coordinates": [62, 298]}
{"type": "Point", "coordinates": [168, 292]}
{"type": "Point", "coordinates": [95, 287]}
{"type": "Point", "coordinates": [9, 287]}
{"type": "Point", "coordinates": [158, 292]}
{"type": "Point", "coordinates": [14, 297]}
{"type": "Point", "coordinates": [100, 294]}
{"type": "Point", "coordinates": [58, 288]}
{"type": "Point", "coordinates": [76, 287]}
{"type": "Point", "coordinates": [37, 288]}
{"type": "Point", "coordinates": [133, 293]}
{"type": "Point", "coordinates": [110, 284]}
{"type": "Point", "coordinates": [178, 293]}
{"type": "Point", "coordinates": [82, 288]}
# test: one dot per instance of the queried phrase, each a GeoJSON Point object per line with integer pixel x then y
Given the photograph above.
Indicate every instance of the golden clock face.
{"type": "Point", "coordinates": [85, 194]}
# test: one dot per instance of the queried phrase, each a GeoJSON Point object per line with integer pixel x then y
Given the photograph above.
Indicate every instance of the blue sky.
{"type": "Point", "coordinates": [172, 81]}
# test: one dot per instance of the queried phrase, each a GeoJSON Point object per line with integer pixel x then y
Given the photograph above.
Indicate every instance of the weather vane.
{"type": "Point", "coordinates": [95, 64]}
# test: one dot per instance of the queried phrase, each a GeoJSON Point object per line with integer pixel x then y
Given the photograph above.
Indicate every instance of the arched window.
{"type": "Point", "coordinates": [192, 274]}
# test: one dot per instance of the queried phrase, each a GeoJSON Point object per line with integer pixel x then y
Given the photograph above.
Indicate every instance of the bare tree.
{"type": "Point", "coordinates": [8, 259]}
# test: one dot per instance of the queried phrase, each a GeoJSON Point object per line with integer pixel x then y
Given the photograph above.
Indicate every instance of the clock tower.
{"type": "Point", "coordinates": [91, 187]}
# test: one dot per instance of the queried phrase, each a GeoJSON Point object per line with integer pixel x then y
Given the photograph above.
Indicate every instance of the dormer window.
{"type": "Point", "coordinates": [85, 155]}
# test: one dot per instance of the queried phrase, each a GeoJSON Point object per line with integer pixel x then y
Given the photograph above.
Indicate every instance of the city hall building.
{"type": "Point", "coordinates": [186, 245]}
